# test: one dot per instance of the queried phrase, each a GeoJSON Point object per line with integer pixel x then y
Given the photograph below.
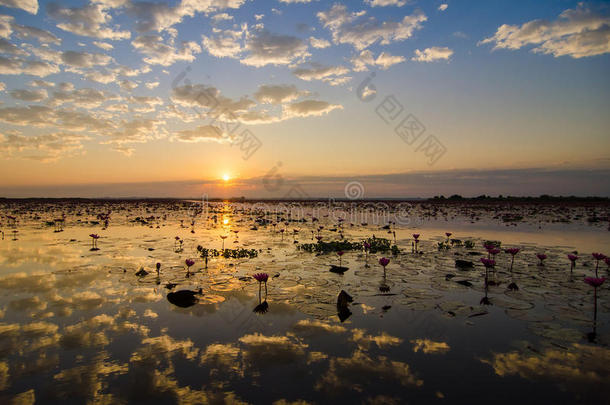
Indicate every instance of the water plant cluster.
{"type": "Point", "coordinates": [239, 253]}
{"type": "Point", "coordinates": [375, 245]}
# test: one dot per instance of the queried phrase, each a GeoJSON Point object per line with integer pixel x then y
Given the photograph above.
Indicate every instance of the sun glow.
{"type": "Point", "coordinates": [226, 177]}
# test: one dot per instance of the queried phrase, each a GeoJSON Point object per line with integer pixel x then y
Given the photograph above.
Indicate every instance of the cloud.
{"type": "Point", "coordinates": [265, 48]}
{"type": "Point", "coordinates": [276, 94]}
{"type": "Point", "coordinates": [43, 116]}
{"type": "Point", "coordinates": [85, 59]}
{"type": "Point", "coordinates": [309, 108]}
{"type": "Point", "coordinates": [31, 6]}
{"type": "Point", "coordinates": [384, 60]}
{"type": "Point", "coordinates": [29, 95]}
{"type": "Point", "coordinates": [159, 53]}
{"type": "Point", "coordinates": [90, 21]}
{"type": "Point", "coordinates": [26, 32]}
{"type": "Point", "coordinates": [222, 17]}
{"type": "Point", "coordinates": [577, 33]}
{"type": "Point", "coordinates": [10, 48]}
{"type": "Point", "coordinates": [227, 43]}
{"type": "Point", "coordinates": [211, 100]}
{"type": "Point", "coordinates": [295, 1]}
{"type": "Point", "coordinates": [45, 148]}
{"type": "Point", "coordinates": [161, 16]}
{"type": "Point", "coordinates": [84, 98]}
{"type": "Point", "coordinates": [385, 3]}
{"type": "Point", "coordinates": [443, 7]}
{"type": "Point", "coordinates": [360, 369]}
{"type": "Point", "coordinates": [127, 85]}
{"type": "Point", "coordinates": [16, 66]}
{"type": "Point", "coordinates": [432, 54]}
{"type": "Point", "coordinates": [317, 71]}
{"type": "Point", "coordinates": [350, 28]}
{"type": "Point", "coordinates": [103, 45]}
{"type": "Point", "coordinates": [428, 346]}
{"type": "Point", "coordinates": [203, 133]}
{"type": "Point", "coordinates": [319, 43]}
{"type": "Point", "coordinates": [151, 85]}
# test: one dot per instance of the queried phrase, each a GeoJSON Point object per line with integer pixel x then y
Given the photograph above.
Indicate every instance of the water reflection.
{"type": "Point", "coordinates": [80, 326]}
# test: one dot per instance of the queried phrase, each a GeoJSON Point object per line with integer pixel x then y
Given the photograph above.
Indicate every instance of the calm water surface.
{"type": "Point", "coordinates": [78, 326]}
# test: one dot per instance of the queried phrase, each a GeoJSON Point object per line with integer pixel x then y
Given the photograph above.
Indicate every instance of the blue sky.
{"type": "Point", "coordinates": [162, 95]}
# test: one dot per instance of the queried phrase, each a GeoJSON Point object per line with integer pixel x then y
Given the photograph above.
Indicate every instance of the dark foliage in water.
{"type": "Point", "coordinates": [227, 253]}
{"type": "Point", "coordinates": [377, 245]}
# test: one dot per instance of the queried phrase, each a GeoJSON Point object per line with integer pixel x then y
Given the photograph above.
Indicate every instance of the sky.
{"type": "Point", "coordinates": [304, 98]}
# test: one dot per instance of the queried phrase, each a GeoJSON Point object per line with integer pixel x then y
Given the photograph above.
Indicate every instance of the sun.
{"type": "Point", "coordinates": [226, 177]}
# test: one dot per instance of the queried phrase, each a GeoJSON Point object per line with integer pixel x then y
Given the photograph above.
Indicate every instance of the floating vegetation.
{"type": "Point", "coordinates": [227, 253]}
{"type": "Point", "coordinates": [375, 245]}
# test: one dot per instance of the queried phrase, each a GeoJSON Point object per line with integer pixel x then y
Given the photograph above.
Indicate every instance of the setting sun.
{"type": "Point", "coordinates": [226, 177]}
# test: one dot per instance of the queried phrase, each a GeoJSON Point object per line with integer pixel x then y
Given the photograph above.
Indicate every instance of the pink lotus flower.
{"type": "Point", "coordinates": [512, 251]}
{"type": "Point", "coordinates": [595, 281]}
{"type": "Point", "coordinates": [340, 253]}
{"type": "Point", "coordinates": [541, 257]}
{"type": "Point", "coordinates": [493, 251]}
{"type": "Point", "coordinates": [384, 261]}
{"type": "Point", "coordinates": [598, 257]}
{"type": "Point", "coordinates": [177, 238]}
{"type": "Point", "coordinates": [448, 234]}
{"type": "Point", "coordinates": [366, 245]}
{"type": "Point", "coordinates": [488, 263]}
{"type": "Point", "coordinates": [319, 238]}
{"type": "Point", "coordinates": [416, 236]}
{"type": "Point", "coordinates": [189, 262]}
{"type": "Point", "coordinates": [95, 236]}
{"type": "Point", "coordinates": [572, 258]}
{"type": "Point", "coordinates": [261, 277]}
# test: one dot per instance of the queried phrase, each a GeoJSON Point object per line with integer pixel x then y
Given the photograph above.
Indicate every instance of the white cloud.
{"type": "Point", "coordinates": [83, 98]}
{"type": "Point", "coordinates": [41, 83]}
{"type": "Point", "coordinates": [432, 54]}
{"type": "Point", "coordinates": [151, 85]}
{"type": "Point", "coordinates": [103, 45]}
{"type": "Point", "coordinates": [90, 21]}
{"type": "Point", "coordinates": [204, 133]}
{"type": "Point", "coordinates": [276, 94]}
{"type": "Point", "coordinates": [127, 85]}
{"type": "Point", "coordinates": [16, 66]}
{"type": "Point", "coordinates": [5, 26]}
{"type": "Point", "coordinates": [26, 32]}
{"type": "Point", "coordinates": [10, 48]}
{"type": "Point", "coordinates": [29, 95]}
{"type": "Point", "coordinates": [295, 1]}
{"type": "Point", "coordinates": [385, 3]}
{"type": "Point", "coordinates": [384, 60]}
{"type": "Point", "coordinates": [319, 43]}
{"type": "Point", "coordinates": [31, 6]}
{"type": "Point", "coordinates": [161, 16]}
{"type": "Point", "coordinates": [226, 43]}
{"type": "Point", "coordinates": [44, 148]}
{"type": "Point", "coordinates": [85, 59]}
{"type": "Point", "coordinates": [210, 99]}
{"type": "Point", "coordinates": [443, 7]}
{"type": "Point", "coordinates": [159, 53]}
{"type": "Point", "coordinates": [577, 33]}
{"type": "Point", "coordinates": [319, 72]}
{"type": "Point", "coordinates": [349, 28]}
{"type": "Point", "coordinates": [222, 17]}
{"type": "Point", "coordinates": [266, 48]}
{"type": "Point", "coordinates": [309, 108]}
